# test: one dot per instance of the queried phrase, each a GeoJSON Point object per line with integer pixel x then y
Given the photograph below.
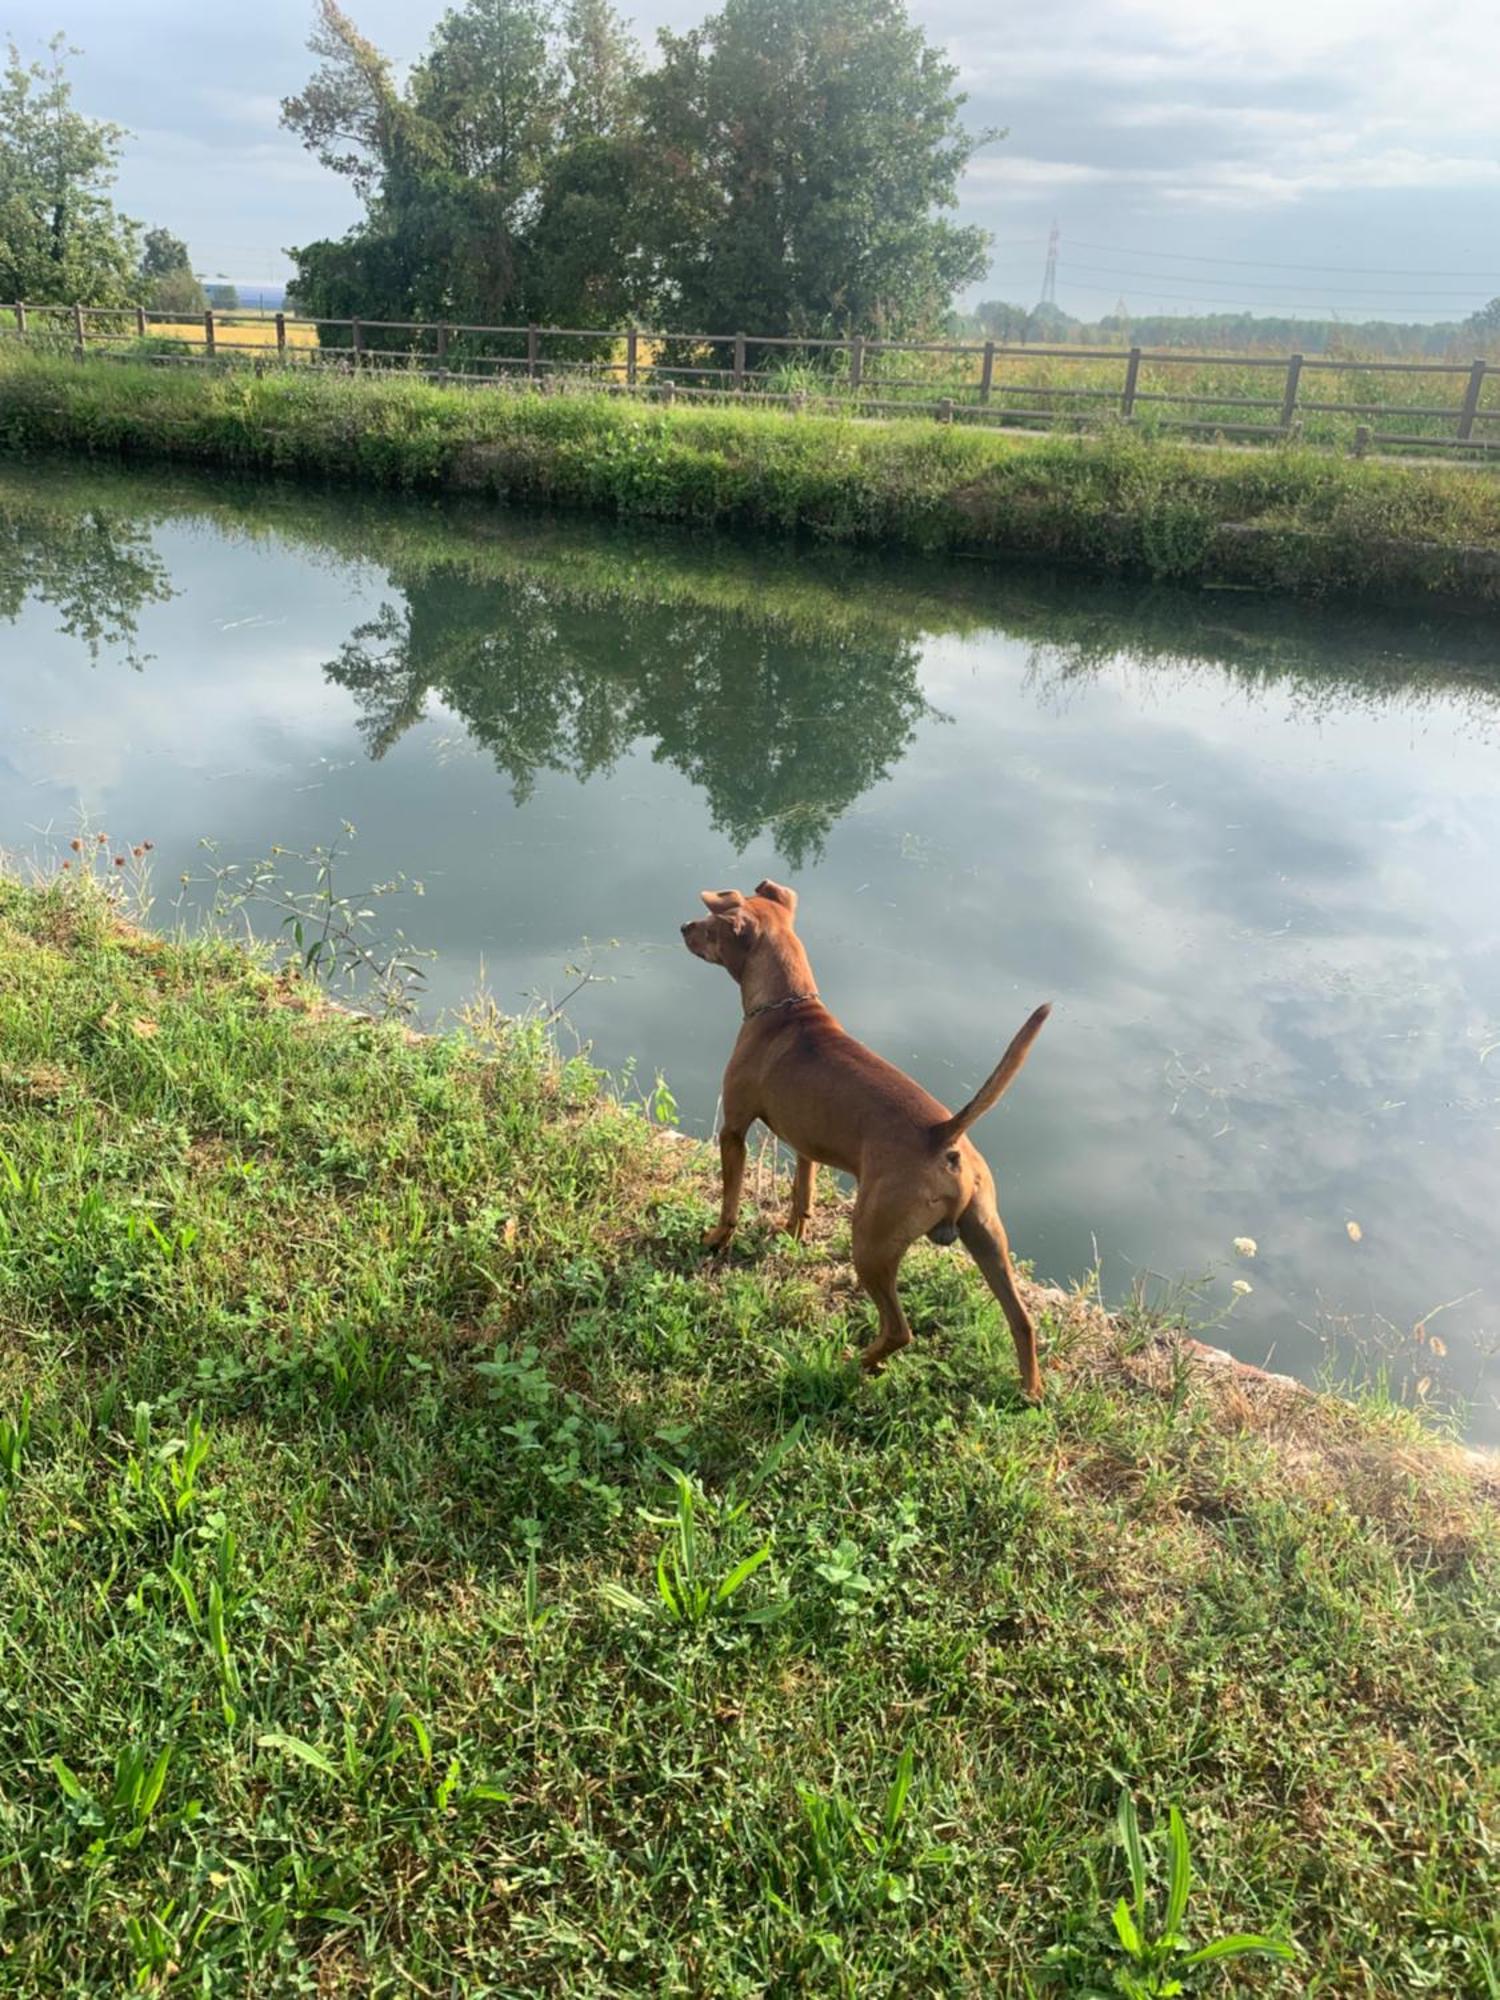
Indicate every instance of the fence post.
{"type": "Point", "coordinates": [739, 363]}
{"type": "Point", "coordinates": [987, 372]}
{"type": "Point", "coordinates": [21, 319]}
{"type": "Point", "coordinates": [357, 342]}
{"type": "Point", "coordinates": [281, 336]}
{"type": "Point", "coordinates": [945, 410]}
{"type": "Point", "coordinates": [1132, 376]}
{"type": "Point", "coordinates": [1470, 409]}
{"type": "Point", "coordinates": [140, 322]}
{"type": "Point", "coordinates": [78, 331]}
{"type": "Point", "coordinates": [208, 331]}
{"type": "Point", "coordinates": [1289, 400]}
{"type": "Point", "coordinates": [668, 390]}
{"type": "Point", "coordinates": [856, 363]}
{"type": "Point", "coordinates": [632, 356]}
{"type": "Point", "coordinates": [442, 354]}
{"type": "Point", "coordinates": [1361, 444]}
{"type": "Point", "coordinates": [533, 348]}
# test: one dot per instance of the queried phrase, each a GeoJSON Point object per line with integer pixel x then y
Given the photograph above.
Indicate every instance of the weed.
{"type": "Point", "coordinates": [689, 1588]}
{"type": "Point", "coordinates": [327, 932]}
{"type": "Point", "coordinates": [1158, 1954]}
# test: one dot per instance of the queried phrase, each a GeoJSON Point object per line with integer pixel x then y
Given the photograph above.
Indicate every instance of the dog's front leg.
{"type": "Point", "coordinates": [732, 1160]}
{"type": "Point", "coordinates": [802, 1198]}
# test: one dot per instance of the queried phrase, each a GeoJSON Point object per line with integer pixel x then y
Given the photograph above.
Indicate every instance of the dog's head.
{"type": "Point", "coordinates": [736, 924]}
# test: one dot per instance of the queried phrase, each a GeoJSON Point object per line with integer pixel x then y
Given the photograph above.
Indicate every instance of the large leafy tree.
{"type": "Point", "coordinates": [162, 253]}
{"type": "Point", "coordinates": [804, 152]}
{"type": "Point", "coordinates": [491, 179]}
{"type": "Point", "coordinates": [166, 275]}
{"type": "Point", "coordinates": [61, 239]}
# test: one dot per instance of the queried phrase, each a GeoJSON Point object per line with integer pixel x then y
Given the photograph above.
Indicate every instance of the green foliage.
{"type": "Point", "coordinates": [781, 170]}
{"type": "Point", "coordinates": [313, 1647]}
{"type": "Point", "coordinates": [177, 292]}
{"type": "Point", "coordinates": [1000, 320]}
{"type": "Point", "coordinates": [163, 255]}
{"type": "Point", "coordinates": [494, 179]}
{"type": "Point", "coordinates": [61, 239]}
{"type": "Point", "coordinates": [799, 149]}
{"type": "Point", "coordinates": [328, 933]}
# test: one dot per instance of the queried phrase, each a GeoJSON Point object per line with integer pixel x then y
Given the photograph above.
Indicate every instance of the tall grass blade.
{"type": "Point", "coordinates": [1241, 1945]}
{"type": "Point", "coordinates": [1130, 1840]}
{"type": "Point", "coordinates": [1180, 1876]}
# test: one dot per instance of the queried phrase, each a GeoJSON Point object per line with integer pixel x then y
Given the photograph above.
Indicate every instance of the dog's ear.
{"type": "Point", "coordinates": [721, 901]}
{"type": "Point", "coordinates": [775, 893]}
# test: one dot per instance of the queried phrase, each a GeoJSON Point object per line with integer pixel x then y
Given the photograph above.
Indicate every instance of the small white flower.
{"type": "Point", "coordinates": [1245, 1246]}
{"type": "Point", "coordinates": [1242, 1286]}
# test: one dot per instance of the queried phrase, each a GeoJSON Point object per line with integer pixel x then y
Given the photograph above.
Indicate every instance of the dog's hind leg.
{"type": "Point", "coordinates": [983, 1235]}
{"type": "Point", "coordinates": [882, 1237]}
{"type": "Point", "coordinates": [732, 1160]}
{"type": "Point", "coordinates": [802, 1198]}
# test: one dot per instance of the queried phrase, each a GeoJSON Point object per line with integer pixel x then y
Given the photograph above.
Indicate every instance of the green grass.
{"type": "Point", "coordinates": [1296, 519]}
{"type": "Point", "coordinates": [419, 1573]}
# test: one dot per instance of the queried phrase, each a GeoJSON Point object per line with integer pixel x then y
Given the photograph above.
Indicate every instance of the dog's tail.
{"type": "Point", "coordinates": [995, 1084]}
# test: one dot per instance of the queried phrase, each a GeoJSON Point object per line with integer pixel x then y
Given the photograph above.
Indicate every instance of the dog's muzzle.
{"type": "Point", "coordinates": [945, 1233]}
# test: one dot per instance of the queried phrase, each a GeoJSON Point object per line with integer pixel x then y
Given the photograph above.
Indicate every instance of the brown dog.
{"type": "Point", "coordinates": [837, 1104]}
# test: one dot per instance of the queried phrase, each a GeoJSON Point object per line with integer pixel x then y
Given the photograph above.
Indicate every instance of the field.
{"type": "Point", "coordinates": [255, 331]}
{"type": "Point", "coordinates": [419, 1572]}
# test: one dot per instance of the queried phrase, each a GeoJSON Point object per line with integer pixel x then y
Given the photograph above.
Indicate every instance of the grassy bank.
{"type": "Point", "coordinates": [354, 1388]}
{"type": "Point", "coordinates": [1290, 518]}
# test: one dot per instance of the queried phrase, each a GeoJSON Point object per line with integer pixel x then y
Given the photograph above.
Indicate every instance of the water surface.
{"type": "Point", "coordinates": [1250, 850]}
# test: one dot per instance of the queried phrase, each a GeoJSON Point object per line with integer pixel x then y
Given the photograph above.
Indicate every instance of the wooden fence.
{"type": "Point", "coordinates": [976, 382]}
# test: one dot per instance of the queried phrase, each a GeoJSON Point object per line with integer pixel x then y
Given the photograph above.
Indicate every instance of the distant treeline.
{"type": "Point", "coordinates": [995, 319]}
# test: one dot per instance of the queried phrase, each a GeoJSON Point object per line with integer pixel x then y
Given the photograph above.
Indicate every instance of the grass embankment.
{"type": "Point", "coordinates": [1296, 519]}
{"type": "Point", "coordinates": [368, 1379]}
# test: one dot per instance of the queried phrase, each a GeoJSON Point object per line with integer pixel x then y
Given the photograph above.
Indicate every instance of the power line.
{"type": "Point", "coordinates": [1271, 264]}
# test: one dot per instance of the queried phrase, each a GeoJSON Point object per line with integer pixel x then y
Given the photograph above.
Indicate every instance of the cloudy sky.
{"type": "Point", "coordinates": [1291, 155]}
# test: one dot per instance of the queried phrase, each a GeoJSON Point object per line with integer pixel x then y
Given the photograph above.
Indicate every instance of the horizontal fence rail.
{"type": "Point", "coordinates": [993, 383]}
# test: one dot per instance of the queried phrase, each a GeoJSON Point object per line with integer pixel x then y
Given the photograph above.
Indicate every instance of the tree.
{"type": "Point", "coordinates": [1001, 321]}
{"type": "Point", "coordinates": [166, 276]}
{"type": "Point", "coordinates": [61, 239]}
{"type": "Point", "coordinates": [490, 181]}
{"type": "Point", "coordinates": [163, 254]}
{"type": "Point", "coordinates": [601, 64]}
{"type": "Point", "coordinates": [177, 292]}
{"type": "Point", "coordinates": [1048, 322]}
{"type": "Point", "coordinates": [223, 296]}
{"type": "Point", "coordinates": [1486, 322]}
{"type": "Point", "coordinates": [802, 147]}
